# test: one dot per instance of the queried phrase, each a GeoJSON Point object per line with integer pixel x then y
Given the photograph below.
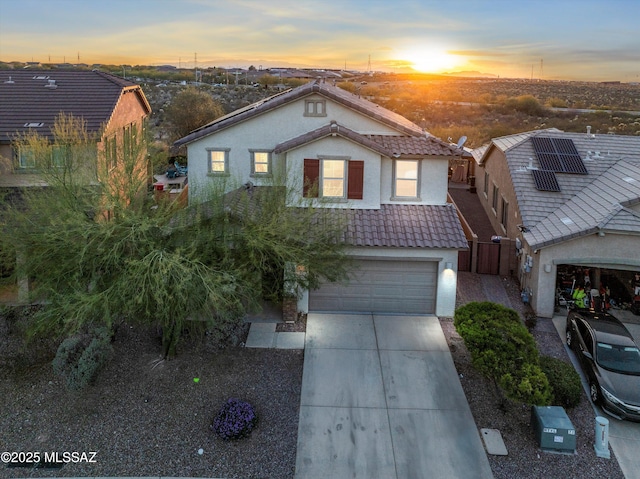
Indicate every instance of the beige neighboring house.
{"type": "Point", "coordinates": [383, 174]}
{"type": "Point", "coordinates": [572, 200]}
{"type": "Point", "coordinates": [114, 110]}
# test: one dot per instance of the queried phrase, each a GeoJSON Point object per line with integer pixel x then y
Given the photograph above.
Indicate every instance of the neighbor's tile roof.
{"type": "Point", "coordinates": [585, 203]}
{"type": "Point", "coordinates": [598, 207]}
{"type": "Point", "coordinates": [391, 146]}
{"type": "Point", "coordinates": [29, 96]}
{"type": "Point", "coordinates": [404, 226]}
{"type": "Point", "coordinates": [337, 94]}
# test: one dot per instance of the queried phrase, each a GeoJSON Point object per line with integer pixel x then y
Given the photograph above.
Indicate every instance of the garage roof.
{"type": "Point", "coordinates": [404, 226]}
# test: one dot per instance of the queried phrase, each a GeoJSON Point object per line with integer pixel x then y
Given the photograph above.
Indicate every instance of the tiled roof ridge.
{"type": "Point", "coordinates": [333, 128]}
{"type": "Point", "coordinates": [335, 93]}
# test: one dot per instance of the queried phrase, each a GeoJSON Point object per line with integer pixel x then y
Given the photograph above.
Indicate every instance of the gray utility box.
{"type": "Point", "coordinates": [553, 429]}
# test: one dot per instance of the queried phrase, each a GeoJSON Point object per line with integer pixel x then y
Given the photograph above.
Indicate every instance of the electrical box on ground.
{"type": "Point", "coordinates": [553, 429]}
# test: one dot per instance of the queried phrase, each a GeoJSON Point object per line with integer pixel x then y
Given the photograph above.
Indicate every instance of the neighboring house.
{"type": "Point", "coordinates": [382, 173]}
{"type": "Point", "coordinates": [571, 201]}
{"type": "Point", "coordinates": [113, 110]}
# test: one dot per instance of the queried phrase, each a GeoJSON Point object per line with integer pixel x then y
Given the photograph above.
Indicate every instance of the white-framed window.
{"type": "Point", "coordinates": [315, 108]}
{"type": "Point", "coordinates": [406, 179]}
{"type": "Point", "coordinates": [333, 178]}
{"type": "Point", "coordinates": [26, 158]}
{"type": "Point", "coordinates": [219, 161]}
{"type": "Point", "coordinates": [504, 213]}
{"type": "Point", "coordinates": [260, 162]}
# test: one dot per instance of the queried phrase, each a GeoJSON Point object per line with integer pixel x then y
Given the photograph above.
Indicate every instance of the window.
{"type": "Point", "coordinates": [494, 205]}
{"type": "Point", "coordinates": [59, 154]}
{"type": "Point", "coordinates": [219, 162]}
{"type": "Point", "coordinates": [111, 152]}
{"type": "Point", "coordinates": [26, 158]}
{"type": "Point", "coordinates": [333, 178]}
{"type": "Point", "coordinates": [405, 176]}
{"type": "Point", "coordinates": [505, 214]}
{"type": "Point", "coordinates": [486, 185]}
{"type": "Point", "coordinates": [260, 163]}
{"type": "Point", "coordinates": [315, 108]}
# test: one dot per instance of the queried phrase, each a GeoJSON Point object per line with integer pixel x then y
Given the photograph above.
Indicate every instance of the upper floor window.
{"type": "Point", "coordinates": [333, 178]}
{"type": "Point", "coordinates": [111, 152]}
{"type": "Point", "coordinates": [486, 185]}
{"type": "Point", "coordinates": [405, 179]}
{"type": "Point", "coordinates": [219, 161]}
{"type": "Point", "coordinates": [26, 158]}
{"type": "Point", "coordinates": [505, 213]}
{"type": "Point", "coordinates": [260, 163]}
{"type": "Point", "coordinates": [315, 108]}
{"type": "Point", "coordinates": [494, 203]}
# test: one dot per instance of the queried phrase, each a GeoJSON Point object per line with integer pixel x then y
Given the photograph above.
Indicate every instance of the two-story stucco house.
{"type": "Point", "coordinates": [112, 110]}
{"type": "Point", "coordinates": [382, 173]}
{"type": "Point", "coordinates": [572, 200]}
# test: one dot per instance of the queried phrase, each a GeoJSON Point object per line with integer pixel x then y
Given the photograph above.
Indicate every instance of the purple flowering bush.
{"type": "Point", "coordinates": [236, 419]}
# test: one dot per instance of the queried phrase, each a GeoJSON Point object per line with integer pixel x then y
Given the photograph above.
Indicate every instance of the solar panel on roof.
{"type": "Point", "coordinates": [559, 155]}
{"type": "Point", "coordinates": [545, 180]}
{"type": "Point", "coordinates": [549, 161]}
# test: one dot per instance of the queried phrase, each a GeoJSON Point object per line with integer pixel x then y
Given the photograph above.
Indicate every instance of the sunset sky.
{"type": "Point", "coordinates": [575, 39]}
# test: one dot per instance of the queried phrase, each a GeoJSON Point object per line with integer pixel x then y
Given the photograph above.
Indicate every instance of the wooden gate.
{"type": "Point", "coordinates": [488, 258]}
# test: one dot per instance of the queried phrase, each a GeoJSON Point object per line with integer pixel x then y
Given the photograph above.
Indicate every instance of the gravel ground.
{"type": "Point", "coordinates": [145, 418]}
{"type": "Point", "coordinates": [525, 459]}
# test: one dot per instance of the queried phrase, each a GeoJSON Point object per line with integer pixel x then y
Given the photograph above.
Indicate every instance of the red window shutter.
{"type": "Point", "coordinates": [355, 184]}
{"type": "Point", "coordinates": [311, 176]}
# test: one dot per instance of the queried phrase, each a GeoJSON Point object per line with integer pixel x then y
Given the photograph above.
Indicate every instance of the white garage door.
{"type": "Point", "coordinates": [382, 287]}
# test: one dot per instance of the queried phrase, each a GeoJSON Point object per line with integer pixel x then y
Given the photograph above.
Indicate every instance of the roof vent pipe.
{"type": "Point", "coordinates": [588, 129]}
{"type": "Point", "coordinates": [51, 84]}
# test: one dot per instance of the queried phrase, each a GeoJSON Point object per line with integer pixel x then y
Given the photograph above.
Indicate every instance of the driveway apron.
{"type": "Point", "coordinates": [381, 398]}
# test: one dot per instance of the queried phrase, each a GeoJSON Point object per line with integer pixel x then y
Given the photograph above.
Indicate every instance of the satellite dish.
{"type": "Point", "coordinates": [462, 141]}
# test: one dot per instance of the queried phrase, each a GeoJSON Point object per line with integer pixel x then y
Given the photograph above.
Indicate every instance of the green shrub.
{"type": "Point", "coordinates": [68, 354]}
{"type": "Point", "coordinates": [501, 348]}
{"type": "Point", "coordinates": [80, 358]}
{"type": "Point", "coordinates": [564, 381]}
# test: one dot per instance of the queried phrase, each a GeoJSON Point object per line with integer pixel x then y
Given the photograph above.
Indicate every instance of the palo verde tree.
{"type": "Point", "coordinates": [100, 253]}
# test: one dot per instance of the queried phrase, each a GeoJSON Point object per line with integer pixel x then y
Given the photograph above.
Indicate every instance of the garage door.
{"type": "Point", "coordinates": [382, 287]}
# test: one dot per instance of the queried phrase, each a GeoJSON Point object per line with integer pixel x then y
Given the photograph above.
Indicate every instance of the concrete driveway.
{"type": "Point", "coordinates": [624, 436]}
{"type": "Point", "coordinates": [381, 398]}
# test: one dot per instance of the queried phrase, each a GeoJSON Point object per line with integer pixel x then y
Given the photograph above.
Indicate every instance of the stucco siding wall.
{"type": "Point", "coordinates": [265, 132]}
{"type": "Point", "coordinates": [339, 148]}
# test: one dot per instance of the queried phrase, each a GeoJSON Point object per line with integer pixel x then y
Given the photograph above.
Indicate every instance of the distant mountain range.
{"type": "Point", "coordinates": [471, 74]}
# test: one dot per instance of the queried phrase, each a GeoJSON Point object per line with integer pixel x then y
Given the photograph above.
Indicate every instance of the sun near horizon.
{"type": "Point", "coordinates": [431, 59]}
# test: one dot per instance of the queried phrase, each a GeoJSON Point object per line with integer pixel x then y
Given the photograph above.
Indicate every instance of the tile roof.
{"type": "Point", "coordinates": [337, 94]}
{"type": "Point", "coordinates": [598, 207]}
{"type": "Point", "coordinates": [585, 203]}
{"type": "Point", "coordinates": [425, 145]}
{"type": "Point", "coordinates": [399, 226]}
{"type": "Point", "coordinates": [29, 96]}
{"type": "Point", "coordinates": [392, 146]}
{"type": "Point", "coordinates": [404, 226]}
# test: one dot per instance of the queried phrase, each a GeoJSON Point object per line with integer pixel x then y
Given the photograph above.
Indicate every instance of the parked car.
{"type": "Point", "coordinates": [610, 359]}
